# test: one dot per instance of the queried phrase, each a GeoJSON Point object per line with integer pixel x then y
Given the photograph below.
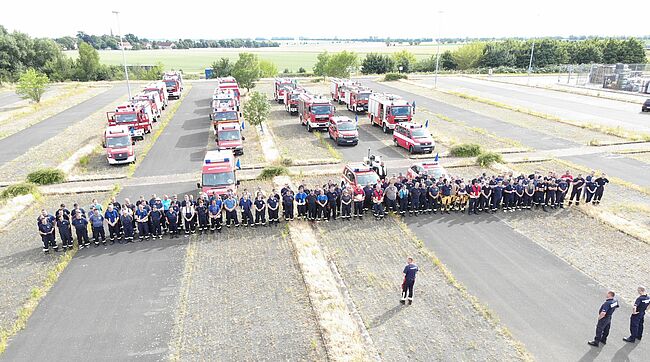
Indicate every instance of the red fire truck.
{"type": "Point", "coordinates": [356, 98]}
{"type": "Point", "coordinates": [315, 112]}
{"type": "Point", "coordinates": [387, 110]}
{"type": "Point", "coordinates": [161, 88]}
{"type": "Point", "coordinates": [224, 98]}
{"type": "Point", "coordinates": [337, 86]}
{"type": "Point", "coordinates": [218, 174]}
{"type": "Point", "coordinates": [230, 83]}
{"type": "Point", "coordinates": [223, 115]}
{"type": "Point", "coordinates": [229, 137]}
{"type": "Point", "coordinates": [174, 83]}
{"type": "Point", "coordinates": [119, 145]}
{"type": "Point", "coordinates": [136, 115]}
{"type": "Point", "coordinates": [154, 102]}
{"type": "Point", "coordinates": [414, 137]}
{"type": "Point", "coordinates": [280, 86]}
{"type": "Point", "coordinates": [291, 99]}
{"type": "Point", "coordinates": [359, 174]}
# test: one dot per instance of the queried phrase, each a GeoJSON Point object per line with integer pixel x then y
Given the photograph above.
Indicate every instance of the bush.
{"type": "Point", "coordinates": [301, 70]}
{"type": "Point", "coordinates": [272, 171]}
{"type": "Point", "coordinates": [286, 161]}
{"type": "Point", "coordinates": [14, 190]}
{"type": "Point", "coordinates": [389, 77]}
{"type": "Point", "coordinates": [486, 159]}
{"type": "Point", "coordinates": [46, 176]}
{"type": "Point", "coordinates": [465, 150]}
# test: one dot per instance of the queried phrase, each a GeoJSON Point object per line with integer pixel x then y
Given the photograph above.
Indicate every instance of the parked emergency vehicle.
{"type": "Point", "coordinates": [220, 115]}
{"type": "Point", "coordinates": [356, 98]}
{"type": "Point", "coordinates": [218, 174]}
{"type": "Point", "coordinates": [387, 110]}
{"type": "Point", "coordinates": [161, 88]}
{"type": "Point", "coordinates": [229, 137]}
{"type": "Point", "coordinates": [358, 173]}
{"type": "Point", "coordinates": [337, 88]}
{"type": "Point", "coordinates": [225, 98]}
{"type": "Point", "coordinates": [119, 145]}
{"type": "Point", "coordinates": [414, 137]}
{"type": "Point", "coordinates": [230, 83]}
{"type": "Point", "coordinates": [314, 111]}
{"type": "Point", "coordinates": [343, 131]}
{"type": "Point", "coordinates": [136, 115]}
{"type": "Point", "coordinates": [174, 84]}
{"type": "Point", "coordinates": [291, 99]}
{"type": "Point", "coordinates": [280, 86]}
{"type": "Point", "coordinates": [154, 102]}
{"type": "Point", "coordinates": [432, 169]}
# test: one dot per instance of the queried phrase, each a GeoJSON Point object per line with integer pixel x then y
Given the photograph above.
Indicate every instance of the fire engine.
{"type": "Point", "coordinates": [225, 98]}
{"type": "Point", "coordinates": [291, 99]}
{"type": "Point", "coordinates": [174, 83]}
{"type": "Point", "coordinates": [119, 145]}
{"type": "Point", "coordinates": [230, 83]}
{"type": "Point", "coordinates": [432, 169]}
{"type": "Point", "coordinates": [161, 88]}
{"type": "Point", "coordinates": [218, 174]}
{"type": "Point", "coordinates": [386, 110]}
{"type": "Point", "coordinates": [136, 115]}
{"type": "Point", "coordinates": [414, 137]}
{"type": "Point", "coordinates": [154, 102]}
{"type": "Point", "coordinates": [229, 137]}
{"type": "Point", "coordinates": [337, 86]}
{"type": "Point", "coordinates": [359, 173]}
{"type": "Point", "coordinates": [280, 86]}
{"type": "Point", "coordinates": [314, 111]}
{"type": "Point", "coordinates": [356, 98]}
{"type": "Point", "coordinates": [220, 115]}
{"type": "Point", "coordinates": [343, 131]}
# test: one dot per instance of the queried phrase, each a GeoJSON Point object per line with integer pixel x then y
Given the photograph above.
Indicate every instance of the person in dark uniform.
{"type": "Point", "coordinates": [638, 313]}
{"type": "Point", "coordinates": [540, 190]}
{"type": "Point", "coordinates": [551, 193]}
{"type": "Point", "coordinates": [65, 231]}
{"type": "Point", "coordinates": [156, 216]}
{"type": "Point", "coordinates": [172, 222]}
{"type": "Point", "coordinates": [600, 188]}
{"type": "Point", "coordinates": [604, 319]}
{"type": "Point", "coordinates": [81, 229]}
{"type": "Point", "coordinates": [519, 194]}
{"type": "Point", "coordinates": [260, 210]}
{"type": "Point", "coordinates": [445, 191]}
{"type": "Point", "coordinates": [332, 197]}
{"type": "Point", "coordinates": [484, 199]}
{"type": "Point", "coordinates": [203, 217]}
{"type": "Point", "coordinates": [246, 206]}
{"type": "Point", "coordinates": [321, 203]}
{"type": "Point", "coordinates": [433, 197]}
{"type": "Point", "coordinates": [142, 220]}
{"type": "Point", "coordinates": [112, 219]}
{"type": "Point", "coordinates": [230, 206]}
{"type": "Point", "coordinates": [562, 188]}
{"type": "Point", "coordinates": [287, 205]}
{"type": "Point", "coordinates": [415, 199]}
{"type": "Point", "coordinates": [409, 281]}
{"type": "Point", "coordinates": [367, 201]}
{"type": "Point", "coordinates": [301, 202]}
{"type": "Point", "coordinates": [497, 196]}
{"type": "Point", "coordinates": [577, 186]}
{"type": "Point", "coordinates": [62, 211]}
{"type": "Point", "coordinates": [273, 206]}
{"type": "Point", "coordinates": [346, 204]}
{"type": "Point", "coordinates": [127, 224]}
{"type": "Point", "coordinates": [529, 194]}
{"type": "Point", "coordinates": [590, 189]}
{"type": "Point", "coordinates": [508, 197]}
{"type": "Point", "coordinates": [46, 229]}
{"type": "Point", "coordinates": [311, 205]}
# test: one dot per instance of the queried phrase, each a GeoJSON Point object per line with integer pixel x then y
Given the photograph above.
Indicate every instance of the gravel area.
{"type": "Point", "coordinates": [23, 266]}
{"type": "Point", "coordinates": [552, 128]}
{"type": "Point", "coordinates": [370, 261]}
{"type": "Point", "coordinates": [643, 157]}
{"type": "Point", "coordinates": [59, 100]}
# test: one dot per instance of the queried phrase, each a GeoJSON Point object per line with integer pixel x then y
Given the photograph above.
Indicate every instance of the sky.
{"type": "Point", "coordinates": [218, 19]}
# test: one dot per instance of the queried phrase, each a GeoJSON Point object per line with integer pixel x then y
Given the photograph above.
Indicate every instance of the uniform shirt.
{"type": "Point", "coordinates": [377, 195]}
{"type": "Point", "coordinates": [259, 204]}
{"type": "Point", "coordinates": [142, 214]}
{"type": "Point", "coordinates": [80, 224]}
{"type": "Point", "coordinates": [63, 225]}
{"type": "Point", "coordinates": [446, 190]}
{"type": "Point", "coordinates": [245, 204]}
{"type": "Point", "coordinates": [172, 215]}
{"type": "Point", "coordinates": [359, 194]}
{"type": "Point", "coordinates": [641, 304]}
{"type": "Point", "coordinates": [433, 191]}
{"type": "Point", "coordinates": [519, 190]}
{"type": "Point", "coordinates": [45, 228]}
{"type": "Point", "coordinates": [64, 212]}
{"type": "Point", "coordinates": [287, 200]}
{"type": "Point", "coordinates": [322, 199]}
{"type": "Point", "coordinates": [273, 203]}
{"type": "Point", "coordinates": [301, 197]}
{"type": "Point", "coordinates": [97, 220]}
{"type": "Point", "coordinates": [230, 203]}
{"type": "Point", "coordinates": [214, 209]}
{"type": "Point", "coordinates": [50, 219]}
{"type": "Point", "coordinates": [202, 211]}
{"type": "Point", "coordinates": [346, 199]}
{"type": "Point", "coordinates": [111, 215]}
{"type": "Point", "coordinates": [601, 182]}
{"type": "Point", "coordinates": [81, 210]}
{"type": "Point", "coordinates": [562, 185]}
{"type": "Point", "coordinates": [608, 307]}
{"type": "Point", "coordinates": [578, 182]}
{"type": "Point", "coordinates": [403, 193]}
{"type": "Point", "coordinates": [415, 193]}
{"type": "Point", "coordinates": [391, 192]}
{"type": "Point", "coordinates": [331, 196]}
{"type": "Point", "coordinates": [166, 204]}
{"type": "Point", "coordinates": [498, 191]}
{"type": "Point", "coordinates": [127, 220]}
{"type": "Point", "coordinates": [156, 215]}
{"type": "Point", "coordinates": [410, 270]}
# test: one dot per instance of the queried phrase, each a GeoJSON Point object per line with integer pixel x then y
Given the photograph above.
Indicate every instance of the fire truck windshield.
{"type": "Point", "coordinates": [363, 96]}
{"type": "Point", "coordinates": [126, 118]}
{"type": "Point", "coordinates": [368, 178]}
{"type": "Point", "coordinates": [435, 172]}
{"type": "Point", "coordinates": [222, 116]}
{"type": "Point", "coordinates": [121, 141]}
{"type": "Point", "coordinates": [218, 179]}
{"type": "Point", "coordinates": [170, 83]}
{"type": "Point", "coordinates": [419, 133]}
{"type": "Point", "coordinates": [229, 135]}
{"type": "Point", "coordinates": [400, 111]}
{"type": "Point", "coordinates": [321, 110]}
{"type": "Point", "coordinates": [347, 126]}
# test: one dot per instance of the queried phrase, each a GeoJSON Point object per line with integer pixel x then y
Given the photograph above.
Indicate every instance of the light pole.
{"type": "Point", "coordinates": [530, 63]}
{"type": "Point", "coordinates": [126, 71]}
{"type": "Point", "coordinates": [435, 81]}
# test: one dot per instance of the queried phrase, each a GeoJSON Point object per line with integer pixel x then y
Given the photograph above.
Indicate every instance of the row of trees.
{"type": "Point", "coordinates": [247, 69]}
{"type": "Point", "coordinates": [515, 54]}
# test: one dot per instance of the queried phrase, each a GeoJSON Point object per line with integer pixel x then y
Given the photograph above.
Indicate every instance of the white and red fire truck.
{"type": "Point", "coordinates": [154, 102]}
{"type": "Point", "coordinates": [174, 84]}
{"type": "Point", "coordinates": [343, 131]}
{"type": "Point", "coordinates": [229, 137]}
{"type": "Point", "coordinates": [433, 169]}
{"type": "Point", "coordinates": [136, 115]}
{"type": "Point", "coordinates": [223, 115]}
{"type": "Point", "coordinates": [314, 111]}
{"type": "Point", "coordinates": [119, 145]}
{"type": "Point", "coordinates": [230, 83]}
{"type": "Point", "coordinates": [337, 86]}
{"type": "Point", "coordinates": [291, 99]}
{"type": "Point", "coordinates": [224, 98]}
{"type": "Point", "coordinates": [218, 174]}
{"type": "Point", "coordinates": [161, 88]}
{"type": "Point", "coordinates": [280, 86]}
{"type": "Point", "coordinates": [359, 173]}
{"type": "Point", "coordinates": [414, 137]}
{"type": "Point", "coordinates": [356, 98]}
{"type": "Point", "coordinates": [387, 110]}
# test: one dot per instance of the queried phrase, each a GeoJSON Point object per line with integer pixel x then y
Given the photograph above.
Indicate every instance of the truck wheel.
{"type": "Point", "coordinates": [384, 128]}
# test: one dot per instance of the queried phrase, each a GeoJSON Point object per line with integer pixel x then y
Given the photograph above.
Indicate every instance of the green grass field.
{"type": "Point", "coordinates": [292, 57]}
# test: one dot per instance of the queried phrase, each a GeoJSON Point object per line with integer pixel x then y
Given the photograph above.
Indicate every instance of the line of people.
{"type": "Point", "coordinates": [151, 219]}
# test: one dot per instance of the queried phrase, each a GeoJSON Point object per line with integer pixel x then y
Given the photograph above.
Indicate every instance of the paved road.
{"type": "Point", "coordinates": [605, 112]}
{"type": "Point", "coordinates": [622, 167]}
{"type": "Point", "coordinates": [118, 303]}
{"type": "Point", "coordinates": [8, 97]}
{"type": "Point", "coordinates": [20, 142]}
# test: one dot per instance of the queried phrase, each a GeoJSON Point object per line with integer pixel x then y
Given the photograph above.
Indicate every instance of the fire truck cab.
{"type": "Point", "coordinates": [119, 145]}
{"type": "Point", "coordinates": [174, 83]}
{"type": "Point", "coordinates": [218, 174]}
{"type": "Point", "coordinates": [387, 110]}
{"type": "Point", "coordinates": [414, 137]}
{"type": "Point", "coordinates": [359, 173]}
{"type": "Point", "coordinates": [432, 169]}
{"type": "Point", "coordinates": [161, 88]}
{"type": "Point", "coordinates": [291, 99]}
{"type": "Point", "coordinates": [229, 137]}
{"type": "Point", "coordinates": [280, 86]}
{"type": "Point", "coordinates": [343, 131]}
{"type": "Point", "coordinates": [136, 115]}
{"type": "Point", "coordinates": [356, 98]}
{"type": "Point", "coordinates": [221, 115]}
{"type": "Point", "coordinates": [315, 112]}
{"type": "Point", "coordinates": [230, 83]}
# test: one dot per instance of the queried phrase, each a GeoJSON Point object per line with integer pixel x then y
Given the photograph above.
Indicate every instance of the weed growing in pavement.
{"type": "Point", "coordinates": [486, 159]}
{"type": "Point", "coordinates": [270, 172]}
{"type": "Point", "coordinates": [18, 189]}
{"type": "Point", "coordinates": [330, 149]}
{"type": "Point", "coordinates": [46, 176]}
{"type": "Point", "coordinates": [286, 161]}
{"type": "Point", "coordinates": [465, 150]}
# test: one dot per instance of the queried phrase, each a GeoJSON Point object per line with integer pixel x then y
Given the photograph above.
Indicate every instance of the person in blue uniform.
{"type": "Point", "coordinates": [287, 204]}
{"type": "Point", "coordinates": [112, 219]}
{"type": "Point", "coordinates": [126, 219]}
{"type": "Point", "coordinates": [519, 194]}
{"type": "Point", "coordinates": [367, 201]}
{"type": "Point", "coordinates": [301, 202]}
{"type": "Point", "coordinates": [246, 206]}
{"type": "Point", "coordinates": [260, 210]}
{"type": "Point", "coordinates": [590, 189]}
{"type": "Point", "coordinates": [604, 319]}
{"type": "Point", "coordinates": [577, 187]}
{"type": "Point", "coordinates": [81, 229]}
{"type": "Point", "coordinates": [230, 205]}
{"type": "Point", "coordinates": [346, 205]}
{"type": "Point", "coordinates": [540, 190]}
{"type": "Point", "coordinates": [600, 188]}
{"type": "Point", "coordinates": [97, 224]}
{"type": "Point", "coordinates": [156, 216]}
{"type": "Point", "coordinates": [142, 220]}
{"type": "Point", "coordinates": [415, 199]}
{"type": "Point", "coordinates": [562, 189]}
{"type": "Point", "coordinates": [46, 229]}
{"type": "Point", "coordinates": [216, 205]}
{"type": "Point", "coordinates": [203, 217]}
{"type": "Point", "coordinates": [638, 313]}
{"type": "Point", "coordinates": [65, 231]}
{"type": "Point", "coordinates": [410, 270]}
{"type": "Point", "coordinates": [321, 203]}
{"type": "Point", "coordinates": [497, 196]}
{"type": "Point", "coordinates": [433, 197]}
{"type": "Point", "coordinates": [273, 206]}
{"type": "Point", "coordinates": [551, 193]}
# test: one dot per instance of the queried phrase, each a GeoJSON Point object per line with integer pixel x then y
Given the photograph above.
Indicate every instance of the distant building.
{"type": "Point", "coordinates": [166, 45]}
{"type": "Point", "coordinates": [126, 45]}
{"type": "Point", "coordinates": [146, 45]}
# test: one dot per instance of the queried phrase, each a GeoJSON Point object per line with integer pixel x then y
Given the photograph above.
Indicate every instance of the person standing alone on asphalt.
{"type": "Point", "coordinates": [604, 320]}
{"type": "Point", "coordinates": [409, 281]}
{"type": "Point", "coordinates": [638, 312]}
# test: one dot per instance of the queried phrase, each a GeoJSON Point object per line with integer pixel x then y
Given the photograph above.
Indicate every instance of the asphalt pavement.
{"type": "Point", "coordinates": [119, 302]}
{"type": "Point", "coordinates": [8, 97]}
{"type": "Point", "coordinates": [606, 112]}
{"type": "Point", "coordinates": [19, 143]}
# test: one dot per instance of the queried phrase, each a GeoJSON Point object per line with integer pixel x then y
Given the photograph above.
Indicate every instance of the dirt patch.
{"type": "Point", "coordinates": [643, 157]}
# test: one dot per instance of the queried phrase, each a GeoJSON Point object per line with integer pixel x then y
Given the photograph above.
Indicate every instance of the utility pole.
{"type": "Point", "coordinates": [435, 81]}
{"type": "Point", "coordinates": [126, 71]}
{"type": "Point", "coordinates": [530, 63]}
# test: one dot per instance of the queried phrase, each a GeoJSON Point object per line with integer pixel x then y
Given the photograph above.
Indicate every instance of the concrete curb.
{"type": "Point", "coordinates": [14, 207]}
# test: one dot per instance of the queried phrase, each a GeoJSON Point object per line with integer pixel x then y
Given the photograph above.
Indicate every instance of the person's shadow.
{"type": "Point", "coordinates": [376, 322]}
{"type": "Point", "coordinates": [623, 354]}
{"type": "Point", "coordinates": [591, 354]}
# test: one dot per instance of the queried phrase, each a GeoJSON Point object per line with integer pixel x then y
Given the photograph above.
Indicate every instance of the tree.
{"type": "Point", "coordinates": [341, 64]}
{"type": "Point", "coordinates": [268, 69]}
{"type": "Point", "coordinates": [447, 61]}
{"type": "Point", "coordinates": [498, 54]}
{"type": "Point", "coordinates": [301, 70]}
{"type": "Point", "coordinates": [320, 69]}
{"type": "Point", "coordinates": [404, 59]}
{"type": "Point", "coordinates": [88, 65]}
{"type": "Point", "coordinates": [469, 55]}
{"type": "Point", "coordinates": [611, 51]}
{"type": "Point", "coordinates": [377, 64]}
{"type": "Point", "coordinates": [632, 51]}
{"type": "Point", "coordinates": [32, 85]}
{"type": "Point", "coordinates": [221, 68]}
{"type": "Point", "coordinates": [246, 70]}
{"type": "Point", "coordinates": [256, 109]}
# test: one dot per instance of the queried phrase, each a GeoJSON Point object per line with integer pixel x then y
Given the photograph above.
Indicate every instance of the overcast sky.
{"type": "Point", "coordinates": [217, 19]}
